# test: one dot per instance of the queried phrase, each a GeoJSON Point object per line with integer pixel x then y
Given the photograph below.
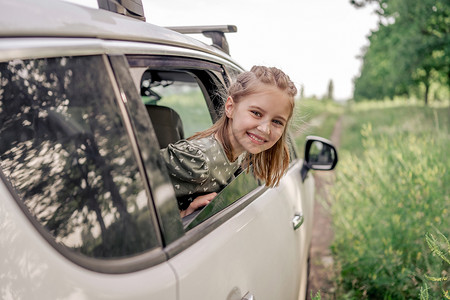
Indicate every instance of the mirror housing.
{"type": "Point", "coordinates": [320, 154]}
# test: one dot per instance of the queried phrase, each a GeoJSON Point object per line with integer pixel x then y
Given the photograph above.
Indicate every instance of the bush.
{"type": "Point", "coordinates": [387, 196]}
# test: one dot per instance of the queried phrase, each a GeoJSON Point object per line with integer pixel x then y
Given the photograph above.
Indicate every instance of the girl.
{"type": "Point", "coordinates": [251, 131]}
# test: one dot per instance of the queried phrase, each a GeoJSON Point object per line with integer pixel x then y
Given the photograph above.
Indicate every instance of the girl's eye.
{"type": "Point", "coordinates": [279, 123]}
{"type": "Point", "coordinates": [258, 114]}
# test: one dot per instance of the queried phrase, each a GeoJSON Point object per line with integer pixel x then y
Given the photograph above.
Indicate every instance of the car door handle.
{"type": "Point", "coordinates": [297, 221]}
{"type": "Point", "coordinates": [248, 296]}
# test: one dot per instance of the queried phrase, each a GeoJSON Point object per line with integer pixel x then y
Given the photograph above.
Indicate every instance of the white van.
{"type": "Point", "coordinates": [87, 211]}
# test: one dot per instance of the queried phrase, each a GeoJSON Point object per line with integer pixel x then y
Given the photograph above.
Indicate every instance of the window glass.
{"type": "Point", "coordinates": [65, 150]}
{"type": "Point", "coordinates": [238, 188]}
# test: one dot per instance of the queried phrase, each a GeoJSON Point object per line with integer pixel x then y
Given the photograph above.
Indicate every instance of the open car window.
{"type": "Point", "coordinates": [180, 95]}
{"type": "Point", "coordinates": [182, 98]}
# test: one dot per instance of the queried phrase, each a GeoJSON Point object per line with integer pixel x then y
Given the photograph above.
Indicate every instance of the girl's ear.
{"type": "Point", "coordinates": [229, 107]}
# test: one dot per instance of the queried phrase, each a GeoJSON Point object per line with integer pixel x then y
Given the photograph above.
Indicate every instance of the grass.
{"type": "Point", "coordinates": [392, 187]}
{"type": "Point", "coordinates": [440, 247]}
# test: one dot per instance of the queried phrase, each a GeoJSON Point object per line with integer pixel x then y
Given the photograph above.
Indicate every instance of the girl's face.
{"type": "Point", "coordinates": [258, 121]}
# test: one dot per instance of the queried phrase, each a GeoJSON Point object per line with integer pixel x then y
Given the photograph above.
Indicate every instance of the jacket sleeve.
{"type": "Point", "coordinates": [186, 162]}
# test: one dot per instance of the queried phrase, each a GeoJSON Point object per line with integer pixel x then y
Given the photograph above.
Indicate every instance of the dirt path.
{"type": "Point", "coordinates": [321, 262]}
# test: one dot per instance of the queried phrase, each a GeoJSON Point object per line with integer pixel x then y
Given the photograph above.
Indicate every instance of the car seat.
{"type": "Point", "coordinates": [167, 124]}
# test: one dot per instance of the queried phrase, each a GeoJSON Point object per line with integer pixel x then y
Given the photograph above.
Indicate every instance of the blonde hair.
{"type": "Point", "coordinates": [271, 164]}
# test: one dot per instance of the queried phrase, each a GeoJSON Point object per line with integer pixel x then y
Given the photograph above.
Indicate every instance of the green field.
{"type": "Point", "coordinates": [391, 188]}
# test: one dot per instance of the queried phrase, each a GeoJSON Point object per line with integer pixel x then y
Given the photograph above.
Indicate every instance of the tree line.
{"type": "Point", "coordinates": [408, 53]}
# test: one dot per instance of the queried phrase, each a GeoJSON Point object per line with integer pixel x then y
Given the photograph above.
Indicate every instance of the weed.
{"type": "Point", "coordinates": [439, 247]}
{"type": "Point", "coordinates": [392, 186]}
{"type": "Point", "coordinates": [317, 296]}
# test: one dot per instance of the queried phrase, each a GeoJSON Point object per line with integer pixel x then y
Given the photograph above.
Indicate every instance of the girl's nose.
{"type": "Point", "coordinates": [264, 127]}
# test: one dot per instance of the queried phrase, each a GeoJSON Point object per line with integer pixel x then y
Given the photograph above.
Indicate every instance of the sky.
{"type": "Point", "coordinates": [313, 41]}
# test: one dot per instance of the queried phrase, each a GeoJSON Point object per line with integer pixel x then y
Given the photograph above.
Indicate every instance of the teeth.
{"type": "Point", "coordinates": [257, 139]}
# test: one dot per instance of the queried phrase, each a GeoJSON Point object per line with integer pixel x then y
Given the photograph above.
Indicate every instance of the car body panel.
{"type": "Point", "coordinates": [86, 22]}
{"type": "Point", "coordinates": [12, 48]}
{"type": "Point", "coordinates": [257, 246]}
{"type": "Point", "coordinates": [32, 269]}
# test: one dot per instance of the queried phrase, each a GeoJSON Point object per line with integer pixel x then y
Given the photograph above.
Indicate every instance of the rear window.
{"type": "Point", "coordinates": [65, 150]}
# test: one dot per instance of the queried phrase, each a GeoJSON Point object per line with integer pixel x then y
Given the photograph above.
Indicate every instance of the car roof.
{"type": "Point", "coordinates": [56, 18]}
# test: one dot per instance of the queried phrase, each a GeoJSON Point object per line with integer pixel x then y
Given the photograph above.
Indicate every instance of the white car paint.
{"type": "Point", "coordinates": [30, 268]}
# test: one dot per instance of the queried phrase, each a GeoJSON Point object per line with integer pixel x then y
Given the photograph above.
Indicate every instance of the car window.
{"type": "Point", "coordinates": [66, 153]}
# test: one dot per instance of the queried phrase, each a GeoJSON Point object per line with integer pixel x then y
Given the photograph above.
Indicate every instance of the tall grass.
{"type": "Point", "coordinates": [440, 247]}
{"type": "Point", "coordinates": [392, 187]}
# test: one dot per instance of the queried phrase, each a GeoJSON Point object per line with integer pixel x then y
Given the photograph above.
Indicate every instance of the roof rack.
{"type": "Point", "coordinates": [130, 8]}
{"type": "Point", "coordinates": [215, 32]}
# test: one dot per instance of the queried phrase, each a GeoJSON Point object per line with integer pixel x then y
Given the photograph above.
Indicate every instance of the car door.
{"type": "Point", "coordinates": [255, 252]}
{"type": "Point", "coordinates": [248, 247]}
{"type": "Point", "coordinates": [76, 215]}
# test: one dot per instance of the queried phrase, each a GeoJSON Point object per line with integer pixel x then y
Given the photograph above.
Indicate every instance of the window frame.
{"type": "Point", "coordinates": [157, 180]}
{"type": "Point", "coordinates": [202, 70]}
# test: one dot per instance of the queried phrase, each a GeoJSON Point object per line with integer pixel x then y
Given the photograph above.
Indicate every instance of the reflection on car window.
{"type": "Point", "coordinates": [65, 150]}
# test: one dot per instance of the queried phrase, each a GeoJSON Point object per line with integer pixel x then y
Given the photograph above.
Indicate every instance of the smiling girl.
{"type": "Point", "coordinates": [251, 131]}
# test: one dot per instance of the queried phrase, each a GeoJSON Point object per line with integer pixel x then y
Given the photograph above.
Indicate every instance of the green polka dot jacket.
{"type": "Point", "coordinates": [198, 167]}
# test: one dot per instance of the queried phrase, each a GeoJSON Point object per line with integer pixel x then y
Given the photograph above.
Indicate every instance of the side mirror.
{"type": "Point", "coordinates": [320, 154]}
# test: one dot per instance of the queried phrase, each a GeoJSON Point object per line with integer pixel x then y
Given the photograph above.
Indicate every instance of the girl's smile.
{"type": "Point", "coordinates": [258, 120]}
{"type": "Point", "coordinates": [256, 138]}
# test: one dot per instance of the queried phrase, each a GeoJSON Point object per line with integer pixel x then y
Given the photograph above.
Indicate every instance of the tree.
{"type": "Point", "coordinates": [378, 78]}
{"type": "Point", "coordinates": [411, 48]}
{"type": "Point", "coordinates": [330, 90]}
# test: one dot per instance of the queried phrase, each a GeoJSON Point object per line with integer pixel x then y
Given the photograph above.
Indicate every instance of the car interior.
{"type": "Point", "coordinates": [170, 97]}
{"type": "Point", "coordinates": [167, 124]}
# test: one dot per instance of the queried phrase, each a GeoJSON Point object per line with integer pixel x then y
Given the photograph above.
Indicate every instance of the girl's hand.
{"type": "Point", "coordinates": [198, 202]}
